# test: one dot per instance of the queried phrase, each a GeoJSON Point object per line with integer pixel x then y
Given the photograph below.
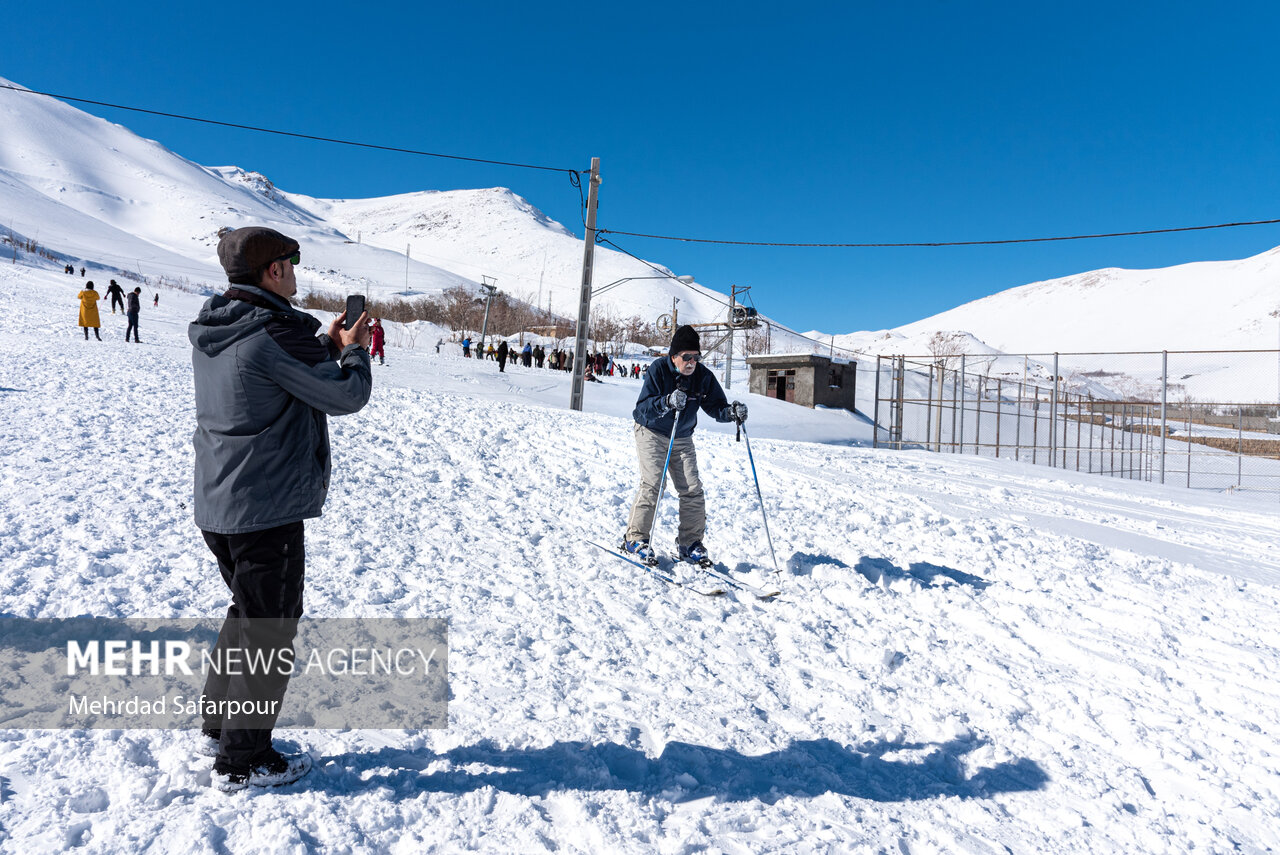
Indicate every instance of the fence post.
{"type": "Point", "coordinates": [1239, 445]}
{"type": "Point", "coordinates": [875, 417]}
{"type": "Point", "coordinates": [999, 403]}
{"type": "Point", "coordinates": [955, 389]}
{"type": "Point", "coordinates": [1017, 425]}
{"type": "Point", "coordinates": [962, 367]}
{"type": "Point", "coordinates": [942, 385]}
{"type": "Point", "coordinates": [928, 410]}
{"type": "Point", "coordinates": [1053, 417]}
{"type": "Point", "coordinates": [1164, 408]}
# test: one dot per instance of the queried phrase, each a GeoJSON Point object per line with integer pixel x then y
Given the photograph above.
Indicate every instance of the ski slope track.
{"type": "Point", "coordinates": [966, 656]}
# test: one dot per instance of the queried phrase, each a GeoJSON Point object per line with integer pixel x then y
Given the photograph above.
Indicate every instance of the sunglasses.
{"type": "Point", "coordinates": [689, 357]}
{"type": "Point", "coordinates": [292, 259]}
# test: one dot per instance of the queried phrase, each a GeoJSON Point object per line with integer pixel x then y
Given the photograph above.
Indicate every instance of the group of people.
{"type": "Point", "coordinates": [266, 380]}
{"type": "Point", "coordinates": [130, 304]}
{"type": "Point", "coordinates": [536, 356]}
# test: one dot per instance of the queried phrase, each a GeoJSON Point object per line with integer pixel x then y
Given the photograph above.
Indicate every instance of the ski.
{"type": "Point", "coordinates": [658, 572]}
{"type": "Point", "coordinates": [715, 572]}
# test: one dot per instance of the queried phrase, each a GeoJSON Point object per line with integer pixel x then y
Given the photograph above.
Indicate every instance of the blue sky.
{"type": "Point", "coordinates": [805, 122]}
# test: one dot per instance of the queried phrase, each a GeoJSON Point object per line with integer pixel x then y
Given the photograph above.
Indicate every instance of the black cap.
{"type": "Point", "coordinates": [685, 339]}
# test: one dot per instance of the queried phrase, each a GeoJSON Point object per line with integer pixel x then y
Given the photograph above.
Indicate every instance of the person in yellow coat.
{"type": "Point", "coordinates": [89, 311]}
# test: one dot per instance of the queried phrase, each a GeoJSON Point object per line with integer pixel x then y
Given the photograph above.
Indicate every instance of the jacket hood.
{"type": "Point", "coordinates": [235, 315]}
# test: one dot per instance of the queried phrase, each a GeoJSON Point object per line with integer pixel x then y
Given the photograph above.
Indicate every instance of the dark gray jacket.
{"type": "Point", "coordinates": [264, 382]}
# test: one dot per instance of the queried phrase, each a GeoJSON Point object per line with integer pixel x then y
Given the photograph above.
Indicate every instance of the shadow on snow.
{"type": "Point", "coordinates": [874, 570]}
{"type": "Point", "coordinates": [685, 772]}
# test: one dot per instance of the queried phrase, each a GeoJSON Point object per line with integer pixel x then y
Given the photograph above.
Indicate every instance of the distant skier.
{"type": "Point", "coordinates": [132, 315]}
{"type": "Point", "coordinates": [89, 298]}
{"type": "Point", "coordinates": [377, 336]}
{"type": "Point", "coordinates": [526, 355]}
{"type": "Point", "coordinates": [675, 387]}
{"type": "Point", "coordinates": [503, 351]}
{"type": "Point", "coordinates": [466, 347]}
{"type": "Point", "coordinates": [156, 302]}
{"type": "Point", "coordinates": [116, 293]}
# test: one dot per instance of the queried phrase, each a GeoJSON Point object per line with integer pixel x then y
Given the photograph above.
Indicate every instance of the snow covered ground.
{"type": "Point", "coordinates": [968, 655]}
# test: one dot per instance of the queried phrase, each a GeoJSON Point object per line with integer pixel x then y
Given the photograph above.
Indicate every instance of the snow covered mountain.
{"type": "Point", "coordinates": [94, 194]}
{"type": "Point", "coordinates": [1210, 305]}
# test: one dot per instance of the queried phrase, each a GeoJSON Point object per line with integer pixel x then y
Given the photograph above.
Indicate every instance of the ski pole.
{"type": "Point", "coordinates": [662, 482]}
{"type": "Point", "coordinates": [763, 515]}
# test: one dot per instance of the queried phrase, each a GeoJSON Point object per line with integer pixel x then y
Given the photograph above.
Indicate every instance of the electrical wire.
{"type": "Point", "coordinates": [942, 243]}
{"type": "Point", "coordinates": [573, 173]}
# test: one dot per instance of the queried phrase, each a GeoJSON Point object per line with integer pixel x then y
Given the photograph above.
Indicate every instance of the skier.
{"type": "Point", "coordinates": [89, 298]}
{"type": "Point", "coordinates": [377, 336]}
{"type": "Point", "coordinates": [155, 304]}
{"type": "Point", "coordinates": [116, 293]}
{"type": "Point", "coordinates": [265, 383]}
{"type": "Point", "coordinates": [675, 387]}
{"type": "Point", "coordinates": [503, 350]}
{"type": "Point", "coordinates": [132, 315]}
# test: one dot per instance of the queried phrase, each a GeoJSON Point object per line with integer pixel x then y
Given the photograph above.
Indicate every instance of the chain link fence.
{"type": "Point", "coordinates": [1200, 419]}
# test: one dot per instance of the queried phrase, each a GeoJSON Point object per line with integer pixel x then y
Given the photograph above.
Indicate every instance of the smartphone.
{"type": "Point", "coordinates": [355, 308]}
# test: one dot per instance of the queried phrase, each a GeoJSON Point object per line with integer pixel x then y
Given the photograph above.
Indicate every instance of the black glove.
{"type": "Point", "coordinates": [738, 411]}
{"type": "Point", "coordinates": [676, 400]}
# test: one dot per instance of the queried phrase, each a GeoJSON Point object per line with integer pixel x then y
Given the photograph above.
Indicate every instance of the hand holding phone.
{"type": "Point", "coordinates": [355, 308]}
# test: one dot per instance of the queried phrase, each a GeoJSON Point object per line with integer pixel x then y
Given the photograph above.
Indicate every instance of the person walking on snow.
{"type": "Point", "coordinates": [377, 336]}
{"type": "Point", "coordinates": [89, 311]}
{"type": "Point", "coordinates": [116, 293]}
{"type": "Point", "coordinates": [265, 384]}
{"type": "Point", "coordinates": [132, 315]}
{"type": "Point", "coordinates": [503, 351]}
{"type": "Point", "coordinates": [675, 387]}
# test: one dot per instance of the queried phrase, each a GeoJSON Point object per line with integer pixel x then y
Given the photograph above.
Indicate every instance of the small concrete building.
{"type": "Point", "coordinates": [805, 378]}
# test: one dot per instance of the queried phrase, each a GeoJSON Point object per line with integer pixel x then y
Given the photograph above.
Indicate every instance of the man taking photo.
{"type": "Point", "coordinates": [265, 382]}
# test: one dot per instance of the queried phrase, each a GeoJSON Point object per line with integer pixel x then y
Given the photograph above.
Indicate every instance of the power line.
{"type": "Point", "coordinates": [573, 173]}
{"type": "Point", "coordinates": [941, 243]}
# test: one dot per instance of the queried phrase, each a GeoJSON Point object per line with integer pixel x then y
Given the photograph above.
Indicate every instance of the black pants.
{"type": "Point", "coordinates": [115, 299]}
{"type": "Point", "coordinates": [264, 571]}
{"type": "Point", "coordinates": [95, 333]}
{"type": "Point", "coordinates": [133, 326]}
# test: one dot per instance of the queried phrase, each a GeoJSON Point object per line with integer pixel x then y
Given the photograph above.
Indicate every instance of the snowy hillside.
{"type": "Point", "coordinates": [967, 655]}
{"type": "Point", "coordinates": [94, 194]}
{"type": "Point", "coordinates": [1210, 305]}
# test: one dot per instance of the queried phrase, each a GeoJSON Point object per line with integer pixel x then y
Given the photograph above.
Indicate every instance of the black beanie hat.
{"type": "Point", "coordinates": [245, 253]}
{"type": "Point", "coordinates": [685, 339]}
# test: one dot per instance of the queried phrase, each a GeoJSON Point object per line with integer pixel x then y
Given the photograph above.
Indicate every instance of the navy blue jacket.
{"type": "Point", "coordinates": [661, 380]}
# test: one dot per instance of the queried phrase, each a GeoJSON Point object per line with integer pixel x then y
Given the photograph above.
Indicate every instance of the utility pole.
{"type": "Point", "coordinates": [675, 317]}
{"type": "Point", "coordinates": [728, 342]}
{"type": "Point", "coordinates": [584, 298]}
{"type": "Point", "coordinates": [490, 290]}
{"type": "Point", "coordinates": [406, 269]}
